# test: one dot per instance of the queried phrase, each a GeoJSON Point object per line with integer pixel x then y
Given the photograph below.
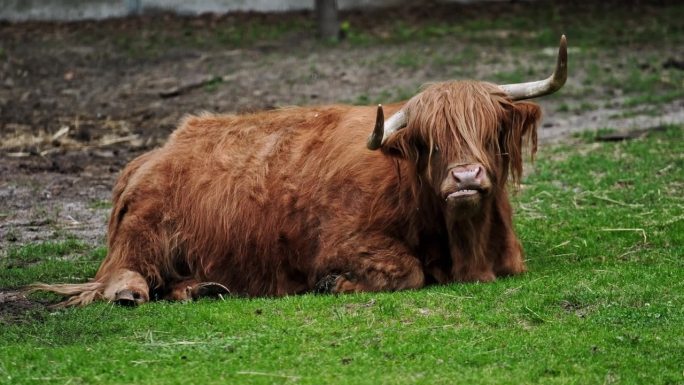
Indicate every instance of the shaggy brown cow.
{"type": "Point", "coordinates": [290, 201]}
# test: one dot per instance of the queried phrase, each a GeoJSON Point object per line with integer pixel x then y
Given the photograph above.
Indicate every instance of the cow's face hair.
{"type": "Point", "coordinates": [465, 139]}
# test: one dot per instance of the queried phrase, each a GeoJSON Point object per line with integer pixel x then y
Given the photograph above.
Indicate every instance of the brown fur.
{"type": "Point", "coordinates": [287, 201]}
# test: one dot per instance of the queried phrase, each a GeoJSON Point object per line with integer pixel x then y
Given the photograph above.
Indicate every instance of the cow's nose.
{"type": "Point", "coordinates": [470, 174]}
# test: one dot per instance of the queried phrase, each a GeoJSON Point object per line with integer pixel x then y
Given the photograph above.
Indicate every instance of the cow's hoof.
{"type": "Point", "coordinates": [326, 284]}
{"type": "Point", "coordinates": [127, 298]}
{"type": "Point", "coordinates": [208, 290]}
{"type": "Point", "coordinates": [345, 284]}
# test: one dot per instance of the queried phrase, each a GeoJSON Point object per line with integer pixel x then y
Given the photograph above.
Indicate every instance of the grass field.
{"type": "Point", "coordinates": [603, 302]}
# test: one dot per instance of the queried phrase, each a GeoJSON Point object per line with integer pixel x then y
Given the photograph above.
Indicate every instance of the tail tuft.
{"type": "Point", "coordinates": [80, 294]}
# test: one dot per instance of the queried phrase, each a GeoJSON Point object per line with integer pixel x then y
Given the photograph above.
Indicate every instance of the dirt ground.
{"type": "Point", "coordinates": [79, 100]}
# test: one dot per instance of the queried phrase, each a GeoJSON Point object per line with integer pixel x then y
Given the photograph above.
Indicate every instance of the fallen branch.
{"type": "Point", "coordinates": [191, 85]}
{"type": "Point", "coordinates": [122, 139]}
{"type": "Point", "coordinates": [624, 135]}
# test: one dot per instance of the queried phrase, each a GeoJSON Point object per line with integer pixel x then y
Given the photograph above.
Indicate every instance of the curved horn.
{"type": "Point", "coordinates": [383, 129]}
{"type": "Point", "coordinates": [375, 139]}
{"type": "Point", "coordinates": [547, 86]}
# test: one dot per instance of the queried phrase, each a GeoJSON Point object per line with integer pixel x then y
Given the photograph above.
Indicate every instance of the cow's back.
{"type": "Point", "coordinates": [246, 198]}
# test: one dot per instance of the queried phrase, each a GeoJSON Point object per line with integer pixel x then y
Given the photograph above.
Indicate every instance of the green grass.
{"type": "Point", "coordinates": [49, 262]}
{"type": "Point", "coordinates": [576, 108]}
{"type": "Point", "coordinates": [603, 302]}
{"type": "Point", "coordinates": [526, 35]}
{"type": "Point", "coordinates": [656, 99]}
{"type": "Point", "coordinates": [590, 136]}
{"type": "Point", "coordinates": [519, 75]}
{"type": "Point", "coordinates": [385, 96]}
{"type": "Point", "coordinates": [100, 204]}
{"type": "Point", "coordinates": [409, 60]}
{"type": "Point", "coordinates": [589, 24]}
{"type": "Point", "coordinates": [153, 39]}
{"type": "Point", "coordinates": [616, 54]}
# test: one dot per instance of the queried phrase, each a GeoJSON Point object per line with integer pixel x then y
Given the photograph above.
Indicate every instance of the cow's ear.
{"type": "Point", "coordinates": [520, 129]}
{"type": "Point", "coordinates": [399, 145]}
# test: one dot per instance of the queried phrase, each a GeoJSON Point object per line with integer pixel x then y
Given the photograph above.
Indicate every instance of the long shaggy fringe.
{"type": "Point", "coordinates": [470, 121]}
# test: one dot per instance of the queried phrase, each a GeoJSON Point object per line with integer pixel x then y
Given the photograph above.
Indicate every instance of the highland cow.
{"type": "Point", "coordinates": [301, 199]}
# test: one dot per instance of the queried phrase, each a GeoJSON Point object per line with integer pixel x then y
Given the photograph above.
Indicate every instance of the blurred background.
{"type": "Point", "coordinates": [87, 85]}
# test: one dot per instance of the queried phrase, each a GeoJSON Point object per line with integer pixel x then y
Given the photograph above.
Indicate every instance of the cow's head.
{"type": "Point", "coordinates": [466, 137]}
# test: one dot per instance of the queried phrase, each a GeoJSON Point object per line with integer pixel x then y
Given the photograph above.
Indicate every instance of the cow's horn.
{"type": "Point", "coordinates": [547, 86]}
{"type": "Point", "coordinates": [375, 138]}
{"type": "Point", "coordinates": [383, 129]}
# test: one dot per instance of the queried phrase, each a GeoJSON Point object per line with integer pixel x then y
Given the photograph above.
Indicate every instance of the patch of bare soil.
{"type": "Point", "coordinates": [16, 308]}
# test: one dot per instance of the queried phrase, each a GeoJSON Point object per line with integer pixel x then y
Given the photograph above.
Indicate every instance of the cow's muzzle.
{"type": "Point", "coordinates": [466, 183]}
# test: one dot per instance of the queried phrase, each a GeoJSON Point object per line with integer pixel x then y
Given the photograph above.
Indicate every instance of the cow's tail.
{"type": "Point", "coordinates": [80, 294]}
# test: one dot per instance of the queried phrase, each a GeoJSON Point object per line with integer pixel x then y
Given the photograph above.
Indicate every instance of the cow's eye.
{"type": "Point", "coordinates": [435, 148]}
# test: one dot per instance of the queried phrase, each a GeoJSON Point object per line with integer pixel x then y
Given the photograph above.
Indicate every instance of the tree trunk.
{"type": "Point", "coordinates": [326, 15]}
{"type": "Point", "coordinates": [134, 7]}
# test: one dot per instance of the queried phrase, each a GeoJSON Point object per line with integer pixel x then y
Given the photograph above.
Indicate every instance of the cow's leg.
{"type": "Point", "coordinates": [511, 258]}
{"type": "Point", "coordinates": [139, 251]}
{"type": "Point", "coordinates": [483, 248]}
{"type": "Point", "coordinates": [471, 266]}
{"type": "Point", "coordinates": [470, 246]}
{"type": "Point", "coordinates": [508, 253]}
{"type": "Point", "coordinates": [499, 257]}
{"type": "Point", "coordinates": [369, 264]}
{"type": "Point", "coordinates": [193, 289]}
